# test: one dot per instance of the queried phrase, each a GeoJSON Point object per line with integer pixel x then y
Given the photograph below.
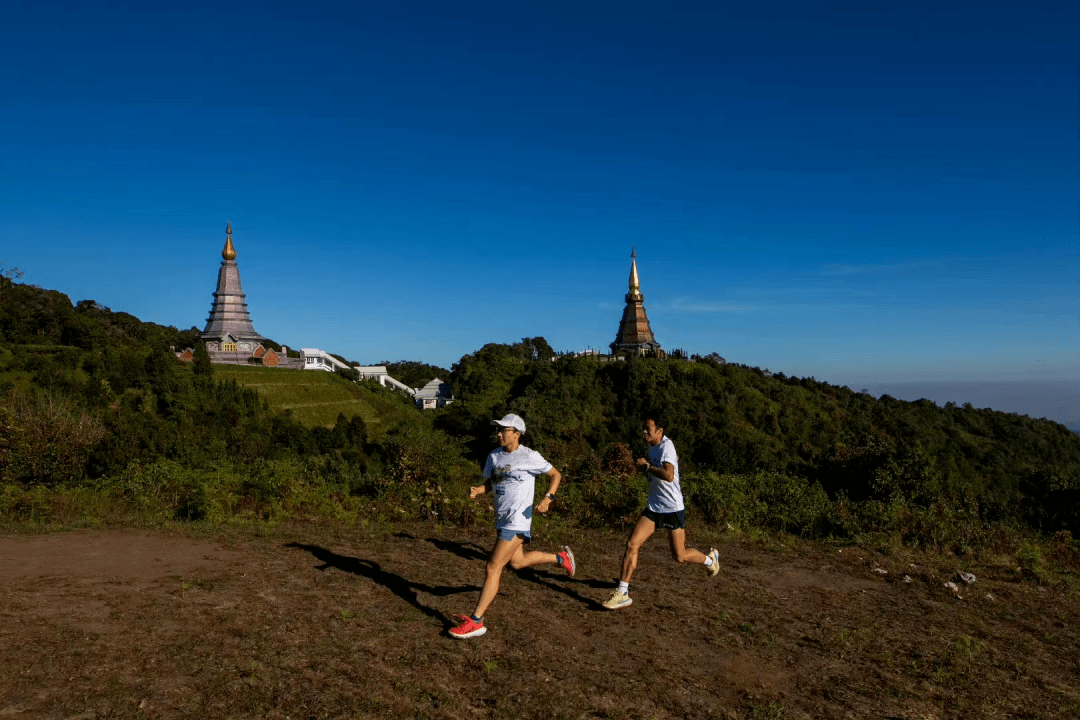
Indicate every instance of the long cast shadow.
{"type": "Point", "coordinates": [538, 577]}
{"type": "Point", "coordinates": [472, 551]}
{"type": "Point", "coordinates": [533, 575]}
{"type": "Point", "coordinates": [398, 585]}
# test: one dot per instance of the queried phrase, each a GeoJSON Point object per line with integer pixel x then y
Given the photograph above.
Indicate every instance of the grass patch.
{"type": "Point", "coordinates": [316, 398]}
{"type": "Point", "coordinates": [769, 711]}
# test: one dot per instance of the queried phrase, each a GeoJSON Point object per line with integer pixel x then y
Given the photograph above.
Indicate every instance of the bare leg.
{"type": "Point", "coordinates": [521, 559]}
{"type": "Point", "coordinates": [500, 556]}
{"type": "Point", "coordinates": [641, 532]}
{"type": "Point", "coordinates": [680, 552]}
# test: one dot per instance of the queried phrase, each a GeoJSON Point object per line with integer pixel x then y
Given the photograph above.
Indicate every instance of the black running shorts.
{"type": "Point", "coordinates": [666, 521]}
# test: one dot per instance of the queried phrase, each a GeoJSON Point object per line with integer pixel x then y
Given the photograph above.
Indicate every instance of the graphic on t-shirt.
{"type": "Point", "coordinates": [513, 477]}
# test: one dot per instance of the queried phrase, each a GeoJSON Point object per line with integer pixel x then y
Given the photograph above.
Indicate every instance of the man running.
{"type": "Point", "coordinates": [665, 511]}
{"type": "Point", "coordinates": [511, 471]}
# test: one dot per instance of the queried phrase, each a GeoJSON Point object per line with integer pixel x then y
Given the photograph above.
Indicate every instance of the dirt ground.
{"type": "Point", "coordinates": [318, 622]}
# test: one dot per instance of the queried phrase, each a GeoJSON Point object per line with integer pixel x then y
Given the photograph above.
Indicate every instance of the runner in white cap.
{"type": "Point", "coordinates": [511, 471]}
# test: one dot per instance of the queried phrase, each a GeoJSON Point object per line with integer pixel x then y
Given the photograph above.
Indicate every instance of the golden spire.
{"type": "Point", "coordinates": [635, 284]}
{"type": "Point", "coordinates": [229, 253]}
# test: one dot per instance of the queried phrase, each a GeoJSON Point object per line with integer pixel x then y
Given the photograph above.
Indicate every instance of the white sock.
{"type": "Point", "coordinates": [708, 561]}
{"type": "Point", "coordinates": [624, 587]}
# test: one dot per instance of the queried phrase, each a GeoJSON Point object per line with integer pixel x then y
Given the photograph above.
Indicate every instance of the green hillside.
{"type": "Point", "coordinates": [821, 443]}
{"type": "Point", "coordinates": [317, 398]}
{"type": "Point", "coordinates": [94, 402]}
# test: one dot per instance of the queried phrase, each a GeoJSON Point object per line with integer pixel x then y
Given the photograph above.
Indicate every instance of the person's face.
{"type": "Point", "coordinates": [506, 436]}
{"type": "Point", "coordinates": [653, 434]}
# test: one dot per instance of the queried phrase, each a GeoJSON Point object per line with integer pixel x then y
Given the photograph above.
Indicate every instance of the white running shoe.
{"type": "Point", "coordinates": [714, 569]}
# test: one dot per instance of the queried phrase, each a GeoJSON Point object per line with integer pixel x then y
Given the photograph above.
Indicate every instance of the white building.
{"type": "Point", "coordinates": [316, 359]}
{"type": "Point", "coordinates": [435, 394]}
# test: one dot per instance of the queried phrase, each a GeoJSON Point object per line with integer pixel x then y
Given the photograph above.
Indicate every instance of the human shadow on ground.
{"type": "Point", "coordinates": [396, 584]}
{"type": "Point", "coordinates": [471, 551]}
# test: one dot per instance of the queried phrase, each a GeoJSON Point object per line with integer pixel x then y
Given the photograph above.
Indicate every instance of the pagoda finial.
{"type": "Point", "coordinates": [229, 252]}
{"type": "Point", "coordinates": [635, 285]}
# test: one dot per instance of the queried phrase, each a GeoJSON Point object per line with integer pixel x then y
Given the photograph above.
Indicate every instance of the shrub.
{"type": "Point", "coordinates": [45, 440]}
{"type": "Point", "coordinates": [348, 373]}
{"type": "Point", "coordinates": [601, 499]}
{"type": "Point", "coordinates": [423, 469]}
{"type": "Point", "coordinates": [789, 504]}
{"type": "Point", "coordinates": [720, 498]}
{"type": "Point", "coordinates": [1030, 559]}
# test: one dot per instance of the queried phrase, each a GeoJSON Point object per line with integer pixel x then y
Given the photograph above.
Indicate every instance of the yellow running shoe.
{"type": "Point", "coordinates": [617, 600]}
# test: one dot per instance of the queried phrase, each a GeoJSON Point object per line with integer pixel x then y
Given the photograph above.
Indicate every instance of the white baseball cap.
{"type": "Point", "coordinates": [511, 421]}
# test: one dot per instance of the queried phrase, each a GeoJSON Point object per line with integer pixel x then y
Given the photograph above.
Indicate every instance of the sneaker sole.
{"type": "Point", "coordinates": [628, 603]}
{"type": "Point", "coordinates": [475, 633]}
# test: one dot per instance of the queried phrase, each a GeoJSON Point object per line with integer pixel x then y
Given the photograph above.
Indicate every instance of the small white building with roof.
{"type": "Point", "coordinates": [316, 359]}
{"type": "Point", "coordinates": [435, 394]}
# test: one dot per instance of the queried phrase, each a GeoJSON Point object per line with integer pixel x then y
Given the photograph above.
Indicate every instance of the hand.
{"type": "Point", "coordinates": [642, 463]}
{"type": "Point", "coordinates": [477, 491]}
{"type": "Point", "coordinates": [544, 506]}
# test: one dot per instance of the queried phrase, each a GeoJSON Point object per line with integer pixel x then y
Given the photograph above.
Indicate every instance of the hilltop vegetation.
{"type": "Point", "coordinates": [852, 461]}
{"type": "Point", "coordinates": [95, 402]}
{"type": "Point", "coordinates": [99, 420]}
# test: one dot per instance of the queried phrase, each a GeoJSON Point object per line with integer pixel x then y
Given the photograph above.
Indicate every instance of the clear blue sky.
{"type": "Point", "coordinates": [857, 194]}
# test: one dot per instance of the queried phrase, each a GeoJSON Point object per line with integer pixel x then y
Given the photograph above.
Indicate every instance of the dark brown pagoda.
{"type": "Point", "coordinates": [635, 336]}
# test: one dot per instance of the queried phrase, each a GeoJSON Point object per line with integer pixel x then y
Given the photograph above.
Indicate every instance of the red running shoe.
{"type": "Point", "coordinates": [468, 628]}
{"type": "Point", "coordinates": [568, 560]}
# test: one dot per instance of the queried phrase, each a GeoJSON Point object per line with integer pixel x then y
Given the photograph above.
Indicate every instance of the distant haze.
{"type": "Point", "coordinates": [1057, 399]}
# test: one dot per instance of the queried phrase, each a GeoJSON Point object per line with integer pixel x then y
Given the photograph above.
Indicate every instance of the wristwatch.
{"type": "Point", "coordinates": [550, 496]}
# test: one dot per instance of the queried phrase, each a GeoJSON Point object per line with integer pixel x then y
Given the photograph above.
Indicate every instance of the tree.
{"type": "Point", "coordinates": [8, 276]}
{"type": "Point", "coordinates": [351, 374]}
{"type": "Point", "coordinates": [536, 348]}
{"type": "Point", "coordinates": [202, 360]}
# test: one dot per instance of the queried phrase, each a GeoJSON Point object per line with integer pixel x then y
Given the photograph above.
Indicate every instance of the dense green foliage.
{"type": "Point", "coordinates": [829, 447]}
{"type": "Point", "coordinates": [93, 404]}
{"type": "Point", "coordinates": [94, 398]}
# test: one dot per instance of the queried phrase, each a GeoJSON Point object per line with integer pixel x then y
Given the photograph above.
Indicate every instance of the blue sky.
{"type": "Point", "coordinates": [863, 195]}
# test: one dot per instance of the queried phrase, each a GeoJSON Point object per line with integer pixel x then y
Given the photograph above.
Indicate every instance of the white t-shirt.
{"type": "Point", "coordinates": [664, 496]}
{"type": "Point", "coordinates": [513, 477]}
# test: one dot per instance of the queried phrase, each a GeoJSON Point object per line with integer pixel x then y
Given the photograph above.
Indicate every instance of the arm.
{"type": "Point", "coordinates": [545, 504]}
{"type": "Point", "coordinates": [665, 472]}
{"type": "Point", "coordinates": [478, 490]}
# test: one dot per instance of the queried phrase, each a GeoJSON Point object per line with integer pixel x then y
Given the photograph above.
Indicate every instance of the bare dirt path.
{"type": "Point", "coordinates": [316, 622]}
